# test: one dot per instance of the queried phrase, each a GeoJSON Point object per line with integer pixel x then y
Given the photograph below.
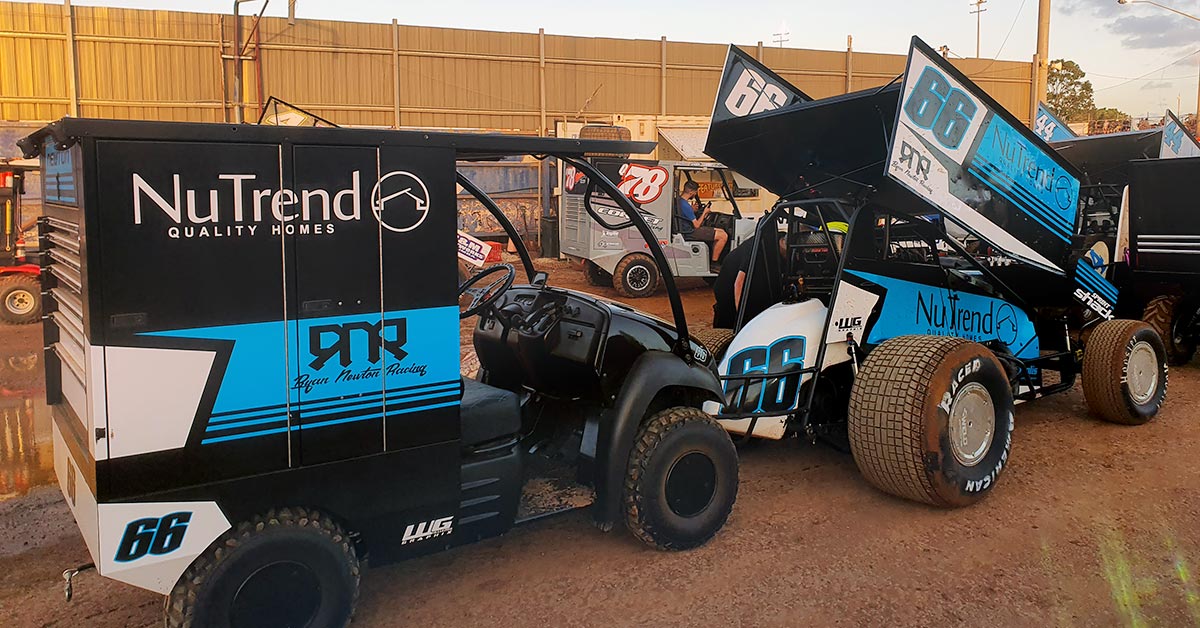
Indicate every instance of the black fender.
{"type": "Point", "coordinates": [651, 373]}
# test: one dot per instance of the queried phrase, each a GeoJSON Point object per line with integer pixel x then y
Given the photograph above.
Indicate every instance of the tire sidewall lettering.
{"type": "Point", "coordinates": [974, 480]}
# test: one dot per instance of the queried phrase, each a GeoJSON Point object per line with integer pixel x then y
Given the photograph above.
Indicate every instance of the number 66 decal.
{"type": "Point", "coordinates": [940, 108]}
{"type": "Point", "coordinates": [152, 536]}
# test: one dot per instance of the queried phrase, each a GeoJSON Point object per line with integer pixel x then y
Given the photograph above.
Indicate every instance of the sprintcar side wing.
{"type": "Point", "coordinates": [960, 151]}
{"type": "Point", "coordinates": [1176, 141]}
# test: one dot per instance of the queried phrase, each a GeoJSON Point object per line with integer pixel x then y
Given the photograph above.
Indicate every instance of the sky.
{"type": "Point", "coordinates": [1141, 59]}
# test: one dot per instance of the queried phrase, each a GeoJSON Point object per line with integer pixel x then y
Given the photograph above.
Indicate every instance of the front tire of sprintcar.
{"type": "Point", "coordinates": [1125, 372]}
{"type": "Point", "coordinates": [931, 419]}
{"type": "Point", "coordinates": [288, 567]}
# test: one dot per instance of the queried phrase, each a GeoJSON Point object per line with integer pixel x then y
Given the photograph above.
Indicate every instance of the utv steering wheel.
{"type": "Point", "coordinates": [483, 298]}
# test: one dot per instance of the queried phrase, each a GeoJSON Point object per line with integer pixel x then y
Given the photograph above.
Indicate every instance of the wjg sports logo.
{"type": "Point", "coordinates": [427, 530]}
{"type": "Point", "coordinates": [238, 205]}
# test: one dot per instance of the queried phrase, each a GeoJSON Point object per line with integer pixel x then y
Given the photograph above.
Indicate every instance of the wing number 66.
{"type": "Point", "coordinates": [942, 109]}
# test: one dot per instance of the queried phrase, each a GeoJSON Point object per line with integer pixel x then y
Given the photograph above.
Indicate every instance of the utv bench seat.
{"type": "Point", "coordinates": [487, 413]}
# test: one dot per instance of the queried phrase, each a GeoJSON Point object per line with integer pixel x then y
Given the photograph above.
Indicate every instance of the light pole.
{"type": "Point", "coordinates": [1190, 17]}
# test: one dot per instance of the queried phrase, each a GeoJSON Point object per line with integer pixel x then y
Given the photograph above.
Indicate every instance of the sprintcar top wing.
{"type": "Point", "coordinates": [1105, 158]}
{"type": "Point", "coordinates": [936, 137]}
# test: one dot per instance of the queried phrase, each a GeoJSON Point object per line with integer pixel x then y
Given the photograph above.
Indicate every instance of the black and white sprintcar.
{"type": "Point", "coordinates": [253, 367]}
{"type": "Point", "coordinates": [956, 291]}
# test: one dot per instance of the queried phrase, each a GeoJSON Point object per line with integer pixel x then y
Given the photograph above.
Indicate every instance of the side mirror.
{"type": "Point", "coordinates": [539, 279]}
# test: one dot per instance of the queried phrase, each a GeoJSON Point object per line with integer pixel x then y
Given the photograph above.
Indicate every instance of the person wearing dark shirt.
{"type": "Point", "coordinates": [727, 289]}
{"type": "Point", "coordinates": [689, 226]}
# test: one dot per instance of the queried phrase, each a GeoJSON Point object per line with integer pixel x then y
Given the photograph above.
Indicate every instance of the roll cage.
{"type": "Point", "coordinates": [873, 228]}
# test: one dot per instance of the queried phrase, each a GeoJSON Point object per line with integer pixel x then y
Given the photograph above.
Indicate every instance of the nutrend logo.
{"type": "Point", "coordinates": [236, 205]}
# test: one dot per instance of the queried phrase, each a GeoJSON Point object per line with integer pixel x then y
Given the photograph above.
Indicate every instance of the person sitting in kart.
{"type": "Point", "coordinates": [691, 227]}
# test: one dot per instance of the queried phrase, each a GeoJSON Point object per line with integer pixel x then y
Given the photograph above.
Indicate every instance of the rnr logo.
{"type": "Point", "coordinates": [342, 341]}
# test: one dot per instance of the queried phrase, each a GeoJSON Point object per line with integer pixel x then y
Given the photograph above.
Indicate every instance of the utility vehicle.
{"type": "Point", "coordinates": [618, 257]}
{"type": "Point", "coordinates": [239, 424]}
{"type": "Point", "coordinates": [20, 285]}
{"type": "Point", "coordinates": [908, 341]}
{"type": "Point", "coordinates": [1138, 221]}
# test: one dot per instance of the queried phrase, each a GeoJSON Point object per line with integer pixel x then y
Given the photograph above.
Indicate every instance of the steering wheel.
{"type": "Point", "coordinates": [483, 298]}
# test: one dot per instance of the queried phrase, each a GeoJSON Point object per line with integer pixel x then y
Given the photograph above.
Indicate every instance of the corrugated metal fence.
{"type": "Point", "coordinates": [169, 65]}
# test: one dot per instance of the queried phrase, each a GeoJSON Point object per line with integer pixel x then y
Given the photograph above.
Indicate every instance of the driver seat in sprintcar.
{"type": "Point", "coordinates": [487, 413]}
{"type": "Point", "coordinates": [813, 257]}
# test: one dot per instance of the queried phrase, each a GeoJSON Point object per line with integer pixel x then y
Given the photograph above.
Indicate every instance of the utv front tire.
{"type": "Point", "coordinates": [931, 419]}
{"type": "Point", "coordinates": [636, 276]}
{"type": "Point", "coordinates": [289, 567]}
{"type": "Point", "coordinates": [1163, 314]}
{"type": "Point", "coordinates": [20, 299]}
{"type": "Point", "coordinates": [681, 481]}
{"type": "Point", "coordinates": [1125, 372]}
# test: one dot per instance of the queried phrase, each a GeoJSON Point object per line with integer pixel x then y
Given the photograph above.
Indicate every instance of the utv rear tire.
{"type": "Point", "coordinates": [681, 481]}
{"type": "Point", "coordinates": [290, 567]}
{"type": "Point", "coordinates": [636, 276]}
{"type": "Point", "coordinates": [931, 419]}
{"type": "Point", "coordinates": [597, 276]}
{"type": "Point", "coordinates": [20, 299]}
{"type": "Point", "coordinates": [1125, 372]}
{"type": "Point", "coordinates": [715, 340]}
{"type": "Point", "coordinates": [1163, 315]}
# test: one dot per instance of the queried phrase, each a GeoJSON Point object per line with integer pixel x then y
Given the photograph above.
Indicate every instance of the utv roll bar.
{"type": "Point", "coordinates": [501, 217]}
{"type": "Point", "coordinates": [682, 346]}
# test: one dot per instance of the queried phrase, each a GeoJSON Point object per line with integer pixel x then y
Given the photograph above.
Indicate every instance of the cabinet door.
{"type": "Point", "coordinates": [337, 381]}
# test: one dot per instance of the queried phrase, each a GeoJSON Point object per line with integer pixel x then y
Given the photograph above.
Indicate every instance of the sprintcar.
{"type": "Point", "coordinates": [956, 291]}
{"type": "Point", "coordinates": [253, 367]}
{"type": "Point", "coordinates": [1138, 223]}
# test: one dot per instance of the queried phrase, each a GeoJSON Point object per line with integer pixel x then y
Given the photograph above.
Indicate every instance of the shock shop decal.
{"type": "Point", "coordinates": [991, 176]}
{"type": "Point", "coordinates": [342, 369]}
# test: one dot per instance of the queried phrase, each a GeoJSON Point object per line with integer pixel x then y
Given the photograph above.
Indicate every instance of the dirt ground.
{"type": "Point", "coordinates": [1091, 525]}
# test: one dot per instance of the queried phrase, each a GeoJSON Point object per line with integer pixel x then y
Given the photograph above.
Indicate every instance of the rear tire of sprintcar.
{"type": "Point", "coordinates": [635, 276]}
{"type": "Point", "coordinates": [715, 340]}
{"type": "Point", "coordinates": [596, 276]}
{"type": "Point", "coordinates": [289, 567]}
{"type": "Point", "coordinates": [1163, 315]}
{"type": "Point", "coordinates": [1125, 372]}
{"type": "Point", "coordinates": [931, 419]}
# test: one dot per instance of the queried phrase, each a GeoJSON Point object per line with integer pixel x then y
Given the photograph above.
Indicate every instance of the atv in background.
{"type": "Point", "coordinates": [957, 292]}
{"type": "Point", "coordinates": [243, 460]}
{"type": "Point", "coordinates": [20, 279]}
{"type": "Point", "coordinates": [618, 257]}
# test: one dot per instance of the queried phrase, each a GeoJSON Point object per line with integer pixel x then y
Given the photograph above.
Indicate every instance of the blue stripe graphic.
{"type": "Point", "coordinates": [1094, 281]}
{"type": "Point", "coordinates": [983, 177]}
{"type": "Point", "coordinates": [352, 419]}
{"type": "Point", "coordinates": [281, 409]}
{"type": "Point", "coordinates": [1035, 203]}
{"type": "Point", "coordinates": [1031, 204]}
{"type": "Point", "coordinates": [354, 407]}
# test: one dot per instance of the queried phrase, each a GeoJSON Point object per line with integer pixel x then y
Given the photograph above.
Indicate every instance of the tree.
{"type": "Point", "coordinates": [1067, 94]}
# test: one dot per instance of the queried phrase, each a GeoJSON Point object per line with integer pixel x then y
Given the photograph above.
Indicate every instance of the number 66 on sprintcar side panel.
{"type": "Point", "coordinates": [926, 281]}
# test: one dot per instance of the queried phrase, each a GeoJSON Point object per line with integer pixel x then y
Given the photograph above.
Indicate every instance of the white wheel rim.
{"type": "Point", "coordinates": [972, 424]}
{"type": "Point", "coordinates": [19, 302]}
{"type": "Point", "coordinates": [638, 277]}
{"type": "Point", "coordinates": [1141, 372]}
